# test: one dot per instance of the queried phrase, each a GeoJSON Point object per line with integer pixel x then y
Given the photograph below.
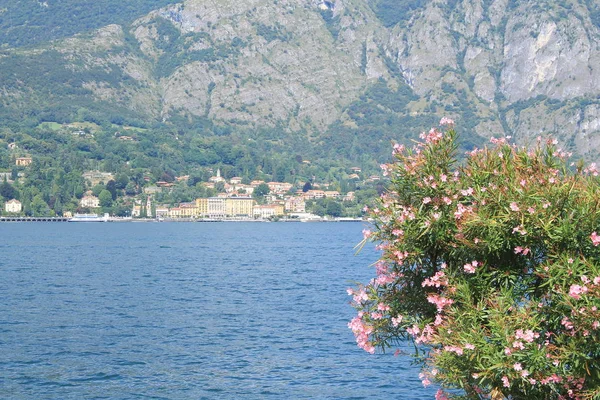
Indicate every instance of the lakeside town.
{"type": "Point", "coordinates": [227, 199]}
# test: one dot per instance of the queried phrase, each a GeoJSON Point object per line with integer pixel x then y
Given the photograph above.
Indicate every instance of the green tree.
{"type": "Point", "coordinates": [121, 181]}
{"type": "Point", "coordinates": [333, 208]}
{"type": "Point", "coordinates": [8, 191]}
{"type": "Point", "coordinates": [39, 208]}
{"type": "Point", "coordinates": [131, 189]}
{"type": "Point", "coordinates": [491, 268]}
{"type": "Point", "coordinates": [97, 189]}
{"type": "Point", "coordinates": [111, 186]}
{"type": "Point", "coordinates": [261, 190]}
{"type": "Point", "coordinates": [105, 198]}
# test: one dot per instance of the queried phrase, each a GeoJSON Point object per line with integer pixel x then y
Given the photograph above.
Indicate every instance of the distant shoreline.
{"type": "Point", "coordinates": [179, 220]}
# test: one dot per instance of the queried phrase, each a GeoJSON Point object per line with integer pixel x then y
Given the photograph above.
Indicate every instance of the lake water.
{"type": "Point", "coordinates": [187, 311]}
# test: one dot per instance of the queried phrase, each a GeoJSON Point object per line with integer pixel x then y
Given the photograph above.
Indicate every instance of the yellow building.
{"type": "Point", "coordinates": [185, 210]}
{"type": "Point", "coordinates": [239, 206]}
{"type": "Point", "coordinates": [175, 212]}
{"type": "Point", "coordinates": [190, 210]}
{"type": "Point", "coordinates": [23, 161]}
{"type": "Point", "coordinates": [202, 205]}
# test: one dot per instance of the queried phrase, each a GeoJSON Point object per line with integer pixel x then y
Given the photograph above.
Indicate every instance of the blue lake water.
{"type": "Point", "coordinates": [187, 311]}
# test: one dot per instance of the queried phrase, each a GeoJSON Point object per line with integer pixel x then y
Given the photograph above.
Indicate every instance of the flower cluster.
{"type": "Point", "coordinates": [491, 267]}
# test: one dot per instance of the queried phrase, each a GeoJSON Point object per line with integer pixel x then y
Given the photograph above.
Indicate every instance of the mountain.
{"type": "Point", "coordinates": [338, 78]}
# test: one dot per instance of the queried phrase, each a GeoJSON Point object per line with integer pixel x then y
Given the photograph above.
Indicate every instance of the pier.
{"type": "Point", "coordinates": [33, 219]}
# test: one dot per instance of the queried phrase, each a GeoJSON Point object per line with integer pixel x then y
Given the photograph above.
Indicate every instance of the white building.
{"type": "Point", "coordinates": [13, 206]}
{"type": "Point", "coordinates": [90, 202]}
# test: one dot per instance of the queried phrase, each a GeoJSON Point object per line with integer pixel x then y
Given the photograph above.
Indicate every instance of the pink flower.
{"type": "Point", "coordinates": [529, 336]}
{"type": "Point", "coordinates": [366, 233]}
{"type": "Point", "coordinates": [514, 206]}
{"type": "Point", "coordinates": [386, 168]}
{"type": "Point", "coordinates": [446, 121]}
{"type": "Point", "coordinates": [439, 301]}
{"type": "Point", "coordinates": [518, 345]}
{"type": "Point", "coordinates": [595, 238]}
{"type": "Point", "coordinates": [467, 192]}
{"type": "Point", "coordinates": [576, 291]}
{"type": "Point", "coordinates": [424, 380]}
{"type": "Point", "coordinates": [440, 395]}
{"type": "Point", "coordinates": [398, 148]}
{"type": "Point", "coordinates": [566, 323]}
{"type": "Point", "coordinates": [427, 200]}
{"type": "Point", "coordinates": [454, 349]}
{"type": "Point", "coordinates": [362, 331]}
{"type": "Point", "coordinates": [518, 367]}
{"type": "Point", "coordinates": [376, 315]}
{"type": "Point", "coordinates": [470, 268]}
{"type": "Point", "coordinates": [469, 346]}
{"type": "Point", "coordinates": [518, 250]}
{"type": "Point", "coordinates": [396, 321]}
{"type": "Point", "coordinates": [439, 279]}
{"type": "Point", "coordinates": [520, 229]}
{"type": "Point", "coordinates": [505, 381]}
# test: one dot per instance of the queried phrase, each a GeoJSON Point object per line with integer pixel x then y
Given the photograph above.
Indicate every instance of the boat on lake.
{"type": "Point", "coordinates": [89, 218]}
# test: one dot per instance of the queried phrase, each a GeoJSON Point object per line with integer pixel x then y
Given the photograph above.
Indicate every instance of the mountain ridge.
{"type": "Point", "coordinates": [318, 69]}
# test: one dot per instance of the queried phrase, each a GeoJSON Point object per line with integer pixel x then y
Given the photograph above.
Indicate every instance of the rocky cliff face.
{"type": "Point", "coordinates": [500, 67]}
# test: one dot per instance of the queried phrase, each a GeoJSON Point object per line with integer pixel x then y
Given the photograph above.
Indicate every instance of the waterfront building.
{"type": "Point", "coordinates": [162, 211]}
{"type": "Point", "coordinates": [216, 207]}
{"type": "Point", "coordinates": [295, 204]}
{"type": "Point", "coordinates": [202, 206]}
{"type": "Point", "coordinates": [189, 210]}
{"type": "Point", "coordinates": [136, 211]}
{"type": "Point", "coordinates": [175, 212]}
{"type": "Point", "coordinates": [239, 206]}
{"type": "Point", "coordinates": [267, 211]}
{"type": "Point", "coordinates": [90, 202]}
{"type": "Point", "coordinates": [13, 206]}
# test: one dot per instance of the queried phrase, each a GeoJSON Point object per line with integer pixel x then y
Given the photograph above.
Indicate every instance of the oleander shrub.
{"type": "Point", "coordinates": [490, 266]}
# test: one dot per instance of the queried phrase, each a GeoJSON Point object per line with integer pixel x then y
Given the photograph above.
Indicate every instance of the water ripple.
{"type": "Point", "coordinates": [180, 311]}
